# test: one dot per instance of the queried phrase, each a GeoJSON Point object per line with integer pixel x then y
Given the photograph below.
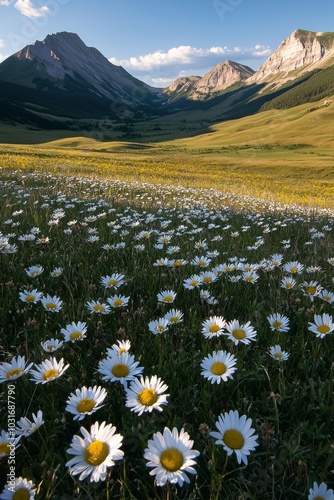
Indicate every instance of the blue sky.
{"type": "Point", "coordinates": [158, 40]}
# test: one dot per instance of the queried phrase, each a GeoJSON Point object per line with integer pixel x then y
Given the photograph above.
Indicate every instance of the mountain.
{"type": "Point", "coordinates": [219, 78]}
{"type": "Point", "coordinates": [60, 83]}
{"type": "Point", "coordinates": [302, 51]}
{"type": "Point", "coordinates": [62, 69]}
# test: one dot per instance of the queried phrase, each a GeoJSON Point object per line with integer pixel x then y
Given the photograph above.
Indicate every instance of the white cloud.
{"type": "Point", "coordinates": [27, 9]}
{"type": "Point", "coordinates": [2, 43]}
{"type": "Point", "coordinates": [5, 2]}
{"type": "Point", "coordinates": [188, 56]}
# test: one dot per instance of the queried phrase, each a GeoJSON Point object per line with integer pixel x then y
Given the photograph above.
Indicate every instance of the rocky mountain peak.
{"type": "Point", "coordinates": [302, 49]}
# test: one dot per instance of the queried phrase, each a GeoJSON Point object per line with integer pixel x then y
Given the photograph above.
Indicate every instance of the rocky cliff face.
{"type": "Point", "coordinates": [219, 78]}
{"type": "Point", "coordinates": [302, 49]}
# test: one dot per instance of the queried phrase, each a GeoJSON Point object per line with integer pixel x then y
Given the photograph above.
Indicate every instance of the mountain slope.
{"type": "Point", "coordinates": [219, 78]}
{"type": "Point", "coordinates": [63, 65]}
{"type": "Point", "coordinates": [302, 51]}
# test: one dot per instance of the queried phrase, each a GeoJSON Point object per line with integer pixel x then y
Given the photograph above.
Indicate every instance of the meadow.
{"type": "Point", "coordinates": [215, 284]}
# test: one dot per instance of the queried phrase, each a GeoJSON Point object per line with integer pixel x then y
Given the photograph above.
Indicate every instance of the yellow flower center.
{"type": "Point", "coordinates": [249, 278]}
{"type": "Point", "coordinates": [171, 459]}
{"type": "Point", "coordinates": [177, 263]}
{"type": "Point", "coordinates": [29, 298]}
{"type": "Point", "coordinates": [318, 498]}
{"type": "Point", "coordinates": [148, 397]}
{"type": "Point", "coordinates": [4, 448]}
{"type": "Point", "coordinates": [218, 368]}
{"type": "Point", "coordinates": [294, 269]}
{"type": "Point", "coordinates": [326, 297]}
{"type": "Point", "coordinates": [122, 350]}
{"type": "Point", "coordinates": [21, 494]}
{"type": "Point", "coordinates": [34, 273]}
{"type": "Point", "coordinates": [168, 298]}
{"type": "Point", "coordinates": [96, 453]}
{"type": "Point", "coordinates": [118, 302]}
{"type": "Point", "coordinates": [120, 370]}
{"type": "Point", "coordinates": [233, 439]}
{"type": "Point", "coordinates": [85, 405]}
{"type": "Point", "coordinates": [311, 290]}
{"type": "Point", "coordinates": [112, 282]}
{"type": "Point", "coordinates": [239, 333]}
{"type": "Point", "coordinates": [15, 371]}
{"type": "Point", "coordinates": [201, 263]}
{"type": "Point", "coordinates": [75, 335]}
{"type": "Point", "coordinates": [207, 279]}
{"type": "Point", "coordinates": [50, 374]}
{"type": "Point", "coordinates": [98, 308]}
{"type": "Point", "coordinates": [51, 305]}
{"type": "Point", "coordinates": [277, 324]}
{"type": "Point", "coordinates": [288, 285]}
{"type": "Point", "coordinates": [323, 329]}
{"type": "Point", "coordinates": [214, 328]}
{"type": "Point", "coordinates": [193, 283]}
{"type": "Point", "coordinates": [174, 319]}
{"type": "Point", "coordinates": [278, 355]}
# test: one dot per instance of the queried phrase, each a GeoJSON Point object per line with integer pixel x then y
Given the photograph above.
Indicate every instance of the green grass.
{"type": "Point", "coordinates": [289, 403]}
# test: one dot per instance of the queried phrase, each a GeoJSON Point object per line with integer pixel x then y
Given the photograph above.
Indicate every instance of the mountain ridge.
{"type": "Point", "coordinates": [62, 77]}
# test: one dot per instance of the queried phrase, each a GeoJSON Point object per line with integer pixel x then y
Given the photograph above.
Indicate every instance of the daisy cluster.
{"type": "Point", "coordinates": [156, 327]}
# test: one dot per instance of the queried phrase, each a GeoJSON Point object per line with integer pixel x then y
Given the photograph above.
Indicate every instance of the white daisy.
{"type": "Point", "coordinates": [235, 435]}
{"type": "Point", "coordinates": [74, 331]}
{"type": "Point", "coordinates": [276, 353]}
{"type": "Point", "coordinates": [213, 327]}
{"type": "Point", "coordinates": [278, 322]}
{"type": "Point", "coordinates": [293, 267]}
{"type": "Point", "coordinates": [146, 394]}
{"type": "Point", "coordinates": [171, 456]}
{"type": "Point", "coordinates": [327, 296]}
{"type": "Point", "coordinates": [167, 296]}
{"type": "Point", "coordinates": [311, 289]}
{"type": "Point", "coordinates": [85, 401]}
{"type": "Point", "coordinates": [51, 345]}
{"type": "Point", "coordinates": [26, 427]}
{"type": "Point", "coordinates": [34, 271]}
{"type": "Point", "coordinates": [48, 370]}
{"type": "Point", "coordinates": [20, 489]}
{"type": "Point", "coordinates": [51, 304]}
{"type": "Point", "coordinates": [30, 296]}
{"type": "Point", "coordinates": [174, 316]}
{"type": "Point", "coordinates": [117, 301]}
{"type": "Point", "coordinates": [288, 282]}
{"type": "Point", "coordinates": [121, 347]}
{"type": "Point", "coordinates": [119, 367]}
{"type": "Point", "coordinates": [322, 325]}
{"type": "Point", "coordinates": [194, 281]}
{"type": "Point", "coordinates": [158, 326]}
{"type": "Point", "coordinates": [320, 492]}
{"type": "Point", "coordinates": [240, 333]}
{"type": "Point", "coordinates": [95, 452]}
{"type": "Point", "coordinates": [14, 369]}
{"type": "Point", "coordinates": [219, 366]}
{"type": "Point", "coordinates": [112, 281]}
{"type": "Point", "coordinates": [97, 307]}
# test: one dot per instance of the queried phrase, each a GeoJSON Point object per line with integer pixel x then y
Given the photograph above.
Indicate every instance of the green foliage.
{"type": "Point", "coordinates": [290, 403]}
{"type": "Point", "coordinates": [318, 86]}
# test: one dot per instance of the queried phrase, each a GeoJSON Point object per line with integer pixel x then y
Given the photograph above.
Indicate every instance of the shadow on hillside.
{"type": "Point", "coordinates": [176, 120]}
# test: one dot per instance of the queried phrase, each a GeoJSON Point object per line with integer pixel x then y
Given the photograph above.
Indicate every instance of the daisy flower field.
{"type": "Point", "coordinates": [158, 341]}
